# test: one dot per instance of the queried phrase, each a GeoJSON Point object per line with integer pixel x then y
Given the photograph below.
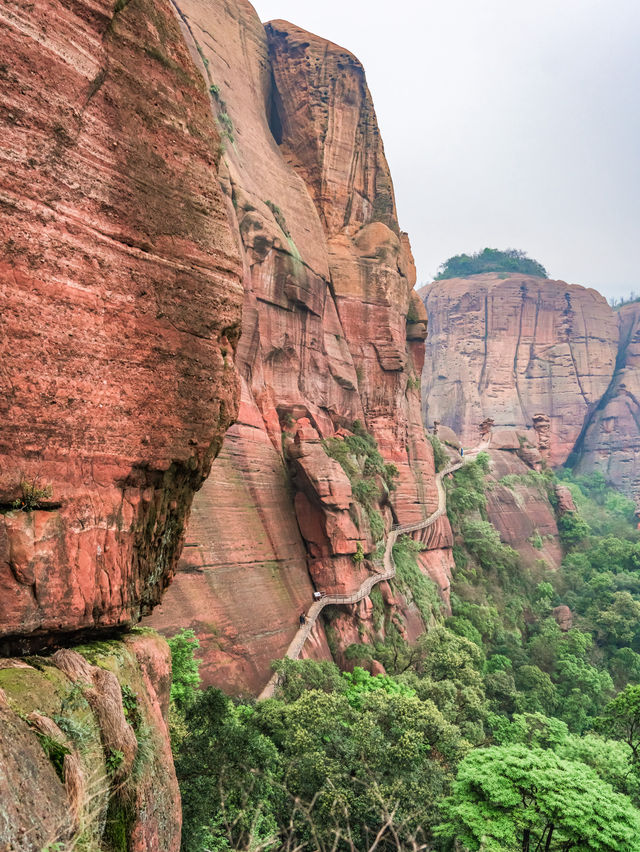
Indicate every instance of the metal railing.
{"type": "Point", "coordinates": [389, 573]}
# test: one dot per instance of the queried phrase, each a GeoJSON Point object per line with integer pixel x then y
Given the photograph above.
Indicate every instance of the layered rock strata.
{"type": "Point", "coordinates": [524, 351]}
{"type": "Point", "coordinates": [331, 335]}
{"type": "Point", "coordinates": [611, 440]}
{"type": "Point", "coordinates": [120, 301]}
{"type": "Point", "coordinates": [85, 758]}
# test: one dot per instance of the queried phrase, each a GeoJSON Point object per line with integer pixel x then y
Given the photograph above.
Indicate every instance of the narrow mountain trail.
{"type": "Point", "coordinates": [389, 572]}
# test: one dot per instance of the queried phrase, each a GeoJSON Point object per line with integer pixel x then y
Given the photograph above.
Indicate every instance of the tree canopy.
{"type": "Point", "coordinates": [516, 797]}
{"type": "Point", "coordinates": [490, 260]}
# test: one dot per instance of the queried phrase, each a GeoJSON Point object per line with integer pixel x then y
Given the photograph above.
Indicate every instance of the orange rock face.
{"type": "Point", "coordinates": [611, 442]}
{"type": "Point", "coordinates": [513, 349]}
{"type": "Point", "coordinates": [120, 300]}
{"type": "Point", "coordinates": [331, 334]}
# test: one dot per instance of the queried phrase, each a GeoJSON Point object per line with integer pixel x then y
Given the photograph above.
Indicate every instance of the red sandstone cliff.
{"type": "Point", "coordinates": [331, 334]}
{"type": "Point", "coordinates": [513, 348]}
{"type": "Point", "coordinates": [120, 303]}
{"type": "Point", "coordinates": [611, 442]}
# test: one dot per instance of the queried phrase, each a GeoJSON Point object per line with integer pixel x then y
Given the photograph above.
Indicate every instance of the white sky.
{"type": "Point", "coordinates": [506, 123]}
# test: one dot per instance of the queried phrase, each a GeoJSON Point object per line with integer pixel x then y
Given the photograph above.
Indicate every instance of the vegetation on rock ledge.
{"type": "Point", "coordinates": [495, 730]}
{"type": "Point", "coordinates": [490, 260]}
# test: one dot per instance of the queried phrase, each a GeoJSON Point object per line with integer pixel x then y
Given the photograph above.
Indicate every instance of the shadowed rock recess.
{"type": "Point", "coordinates": [332, 334]}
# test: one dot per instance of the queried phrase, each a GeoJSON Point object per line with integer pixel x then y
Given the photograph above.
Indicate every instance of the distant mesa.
{"type": "Point", "coordinates": [512, 347]}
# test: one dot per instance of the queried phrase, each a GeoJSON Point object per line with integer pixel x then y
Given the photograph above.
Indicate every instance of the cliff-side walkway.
{"type": "Point", "coordinates": [389, 572]}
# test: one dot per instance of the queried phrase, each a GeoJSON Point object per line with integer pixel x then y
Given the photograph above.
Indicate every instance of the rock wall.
{"type": "Point", "coordinates": [519, 507]}
{"type": "Point", "coordinates": [611, 441]}
{"type": "Point", "coordinates": [331, 334]}
{"type": "Point", "coordinates": [510, 348]}
{"type": "Point", "coordinates": [120, 301]}
{"type": "Point", "coordinates": [85, 759]}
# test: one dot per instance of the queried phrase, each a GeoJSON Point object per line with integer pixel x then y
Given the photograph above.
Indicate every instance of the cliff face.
{"type": "Point", "coordinates": [513, 348]}
{"type": "Point", "coordinates": [120, 301]}
{"type": "Point", "coordinates": [518, 503]}
{"type": "Point", "coordinates": [611, 442]}
{"type": "Point", "coordinates": [85, 752]}
{"type": "Point", "coordinates": [331, 335]}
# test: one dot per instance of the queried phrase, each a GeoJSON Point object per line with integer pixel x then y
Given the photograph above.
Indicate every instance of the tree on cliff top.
{"type": "Point", "coordinates": [490, 260]}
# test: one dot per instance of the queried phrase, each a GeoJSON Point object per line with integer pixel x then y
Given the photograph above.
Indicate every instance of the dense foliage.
{"type": "Point", "coordinates": [495, 730]}
{"type": "Point", "coordinates": [490, 260]}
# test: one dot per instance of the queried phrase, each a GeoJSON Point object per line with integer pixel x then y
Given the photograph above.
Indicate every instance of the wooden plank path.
{"type": "Point", "coordinates": [388, 572]}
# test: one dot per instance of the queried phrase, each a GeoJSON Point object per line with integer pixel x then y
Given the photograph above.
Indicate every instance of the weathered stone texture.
{"type": "Point", "coordinates": [611, 443]}
{"type": "Point", "coordinates": [120, 303]}
{"type": "Point", "coordinates": [331, 334]}
{"type": "Point", "coordinates": [514, 348]}
{"type": "Point", "coordinates": [135, 799]}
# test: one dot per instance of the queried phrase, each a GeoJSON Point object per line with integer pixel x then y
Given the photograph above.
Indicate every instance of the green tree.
{"type": "Point", "coordinates": [573, 528]}
{"type": "Point", "coordinates": [490, 260]}
{"type": "Point", "coordinates": [621, 720]}
{"type": "Point", "coordinates": [222, 799]}
{"type": "Point", "coordinates": [184, 667]}
{"type": "Point", "coordinates": [515, 798]}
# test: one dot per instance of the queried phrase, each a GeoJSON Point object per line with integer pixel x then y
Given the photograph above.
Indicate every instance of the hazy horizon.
{"type": "Point", "coordinates": [505, 124]}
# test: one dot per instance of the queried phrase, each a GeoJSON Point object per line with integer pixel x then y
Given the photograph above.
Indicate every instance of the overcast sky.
{"type": "Point", "coordinates": [506, 123]}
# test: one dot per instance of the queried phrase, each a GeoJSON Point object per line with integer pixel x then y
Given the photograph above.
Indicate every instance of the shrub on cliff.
{"type": "Point", "coordinates": [490, 260]}
{"type": "Point", "coordinates": [440, 455]}
{"type": "Point", "coordinates": [185, 676]}
{"type": "Point", "coordinates": [466, 492]}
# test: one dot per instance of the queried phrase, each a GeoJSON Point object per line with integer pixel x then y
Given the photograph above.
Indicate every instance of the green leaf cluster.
{"type": "Point", "coordinates": [490, 260]}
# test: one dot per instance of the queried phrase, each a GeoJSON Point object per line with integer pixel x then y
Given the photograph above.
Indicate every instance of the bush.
{"type": "Point", "coordinates": [466, 491]}
{"type": "Point", "coordinates": [409, 578]}
{"type": "Point", "coordinates": [33, 494]}
{"type": "Point", "coordinates": [572, 528]}
{"type": "Point", "coordinates": [490, 260]}
{"type": "Point", "coordinates": [440, 455]}
{"type": "Point", "coordinates": [359, 457]}
{"type": "Point", "coordinates": [184, 666]}
{"type": "Point", "coordinates": [226, 123]}
{"type": "Point", "coordinates": [482, 540]}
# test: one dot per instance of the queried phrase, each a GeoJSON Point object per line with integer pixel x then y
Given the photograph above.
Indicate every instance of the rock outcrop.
{"type": "Point", "coordinates": [120, 301]}
{"type": "Point", "coordinates": [611, 441]}
{"type": "Point", "coordinates": [517, 349]}
{"type": "Point", "coordinates": [519, 507]}
{"type": "Point", "coordinates": [85, 757]}
{"type": "Point", "coordinates": [332, 334]}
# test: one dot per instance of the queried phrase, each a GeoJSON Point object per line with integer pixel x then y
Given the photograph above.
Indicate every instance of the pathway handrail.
{"type": "Point", "coordinates": [372, 580]}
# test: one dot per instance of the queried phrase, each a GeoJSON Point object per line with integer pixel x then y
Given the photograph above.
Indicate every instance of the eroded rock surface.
{"type": "Point", "coordinates": [611, 443]}
{"type": "Point", "coordinates": [519, 507]}
{"type": "Point", "coordinates": [331, 334]}
{"type": "Point", "coordinates": [120, 302]}
{"type": "Point", "coordinates": [85, 752]}
{"type": "Point", "coordinates": [515, 349]}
